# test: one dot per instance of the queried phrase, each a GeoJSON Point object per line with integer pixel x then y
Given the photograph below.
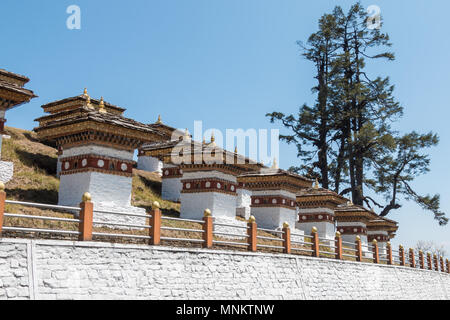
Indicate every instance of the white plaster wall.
{"type": "Point", "coordinates": [220, 204]}
{"type": "Point", "coordinates": [108, 189]}
{"type": "Point", "coordinates": [58, 166]}
{"type": "Point", "coordinates": [46, 269]}
{"type": "Point", "coordinates": [151, 164]}
{"type": "Point", "coordinates": [325, 229]}
{"type": "Point", "coordinates": [274, 193]}
{"type": "Point", "coordinates": [273, 217]}
{"type": "Point", "coordinates": [243, 202]}
{"type": "Point", "coordinates": [98, 150]}
{"type": "Point", "coordinates": [6, 171]}
{"type": "Point", "coordinates": [171, 189]}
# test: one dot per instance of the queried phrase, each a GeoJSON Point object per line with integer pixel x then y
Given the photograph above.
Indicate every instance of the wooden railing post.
{"type": "Point", "coordinates": [2, 205]}
{"type": "Point", "coordinates": [155, 223]}
{"type": "Point", "coordinates": [436, 264]}
{"type": "Point", "coordinates": [315, 242]}
{"type": "Point", "coordinates": [389, 254]}
{"type": "Point", "coordinates": [442, 264]}
{"type": "Point", "coordinates": [338, 241]}
{"type": "Point", "coordinates": [208, 229]}
{"type": "Point", "coordinates": [448, 266]}
{"type": "Point", "coordinates": [429, 263]}
{"type": "Point", "coordinates": [412, 258]}
{"type": "Point", "coordinates": [376, 253]}
{"type": "Point", "coordinates": [358, 249]}
{"type": "Point", "coordinates": [86, 218]}
{"type": "Point", "coordinates": [421, 260]}
{"type": "Point", "coordinates": [252, 233]}
{"type": "Point", "coordinates": [286, 238]}
{"type": "Point", "coordinates": [401, 253]}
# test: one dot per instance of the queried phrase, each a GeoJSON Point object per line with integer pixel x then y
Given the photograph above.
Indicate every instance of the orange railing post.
{"type": "Point", "coordinates": [315, 242]}
{"type": "Point", "coordinates": [448, 266]}
{"type": "Point", "coordinates": [389, 253]}
{"type": "Point", "coordinates": [412, 258]}
{"type": "Point", "coordinates": [358, 249]}
{"type": "Point", "coordinates": [286, 238]}
{"type": "Point", "coordinates": [208, 229]}
{"type": "Point", "coordinates": [2, 205]}
{"type": "Point", "coordinates": [421, 260]}
{"type": "Point", "coordinates": [436, 264]}
{"type": "Point", "coordinates": [442, 264]}
{"type": "Point", "coordinates": [155, 223]}
{"type": "Point", "coordinates": [338, 241]}
{"type": "Point", "coordinates": [430, 265]}
{"type": "Point", "coordinates": [252, 233]}
{"type": "Point", "coordinates": [401, 253]}
{"type": "Point", "coordinates": [376, 253]}
{"type": "Point", "coordinates": [86, 218]}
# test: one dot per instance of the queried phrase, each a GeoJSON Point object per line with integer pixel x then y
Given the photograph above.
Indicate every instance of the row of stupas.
{"type": "Point", "coordinates": [96, 146]}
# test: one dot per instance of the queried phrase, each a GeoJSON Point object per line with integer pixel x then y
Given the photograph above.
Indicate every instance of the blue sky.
{"type": "Point", "coordinates": [227, 63]}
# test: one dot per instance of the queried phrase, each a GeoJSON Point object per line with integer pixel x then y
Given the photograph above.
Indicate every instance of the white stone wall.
{"type": "Point", "coordinates": [151, 164]}
{"type": "Point", "coordinates": [45, 269]}
{"type": "Point", "coordinates": [6, 171]}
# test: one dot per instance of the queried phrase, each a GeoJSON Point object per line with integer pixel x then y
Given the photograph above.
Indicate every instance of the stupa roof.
{"type": "Point", "coordinates": [12, 92]}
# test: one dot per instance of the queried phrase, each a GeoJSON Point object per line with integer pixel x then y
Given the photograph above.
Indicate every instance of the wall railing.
{"type": "Point", "coordinates": [210, 234]}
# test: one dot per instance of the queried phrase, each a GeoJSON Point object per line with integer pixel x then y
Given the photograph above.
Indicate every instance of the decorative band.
{"type": "Point", "coordinates": [101, 164]}
{"type": "Point", "coordinates": [378, 237]}
{"type": "Point", "coordinates": [208, 185]}
{"type": "Point", "coordinates": [352, 230]}
{"type": "Point", "coordinates": [316, 217]}
{"type": "Point", "coordinates": [172, 172]}
{"type": "Point", "coordinates": [272, 201]}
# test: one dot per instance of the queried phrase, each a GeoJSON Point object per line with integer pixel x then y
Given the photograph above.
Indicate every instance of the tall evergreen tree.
{"type": "Point", "coordinates": [346, 138]}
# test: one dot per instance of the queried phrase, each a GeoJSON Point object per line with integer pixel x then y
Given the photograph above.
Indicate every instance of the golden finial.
{"type": "Point", "coordinates": [285, 225]}
{"type": "Point", "coordinates": [420, 251]}
{"type": "Point", "coordinates": [388, 244]}
{"type": "Point", "coordinates": [213, 139]}
{"type": "Point", "coordinates": [85, 92]}
{"type": "Point", "coordinates": [207, 213]}
{"type": "Point", "coordinates": [313, 230]}
{"type": "Point", "coordinates": [374, 241]}
{"type": "Point", "coordinates": [316, 184]}
{"type": "Point", "coordinates": [235, 149]}
{"type": "Point", "coordinates": [2, 186]}
{"type": "Point", "coordinates": [155, 205]}
{"type": "Point", "coordinates": [252, 219]}
{"type": "Point", "coordinates": [204, 140]}
{"type": "Point", "coordinates": [159, 120]}
{"type": "Point", "coordinates": [274, 164]}
{"type": "Point", "coordinates": [338, 234]}
{"type": "Point", "coordinates": [400, 246]}
{"type": "Point", "coordinates": [86, 197]}
{"type": "Point", "coordinates": [358, 238]}
{"type": "Point", "coordinates": [102, 106]}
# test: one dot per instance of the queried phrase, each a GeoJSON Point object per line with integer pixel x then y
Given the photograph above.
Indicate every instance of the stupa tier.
{"type": "Point", "coordinates": [273, 195]}
{"type": "Point", "coordinates": [316, 209]}
{"type": "Point", "coordinates": [12, 94]}
{"type": "Point", "coordinates": [96, 144]}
